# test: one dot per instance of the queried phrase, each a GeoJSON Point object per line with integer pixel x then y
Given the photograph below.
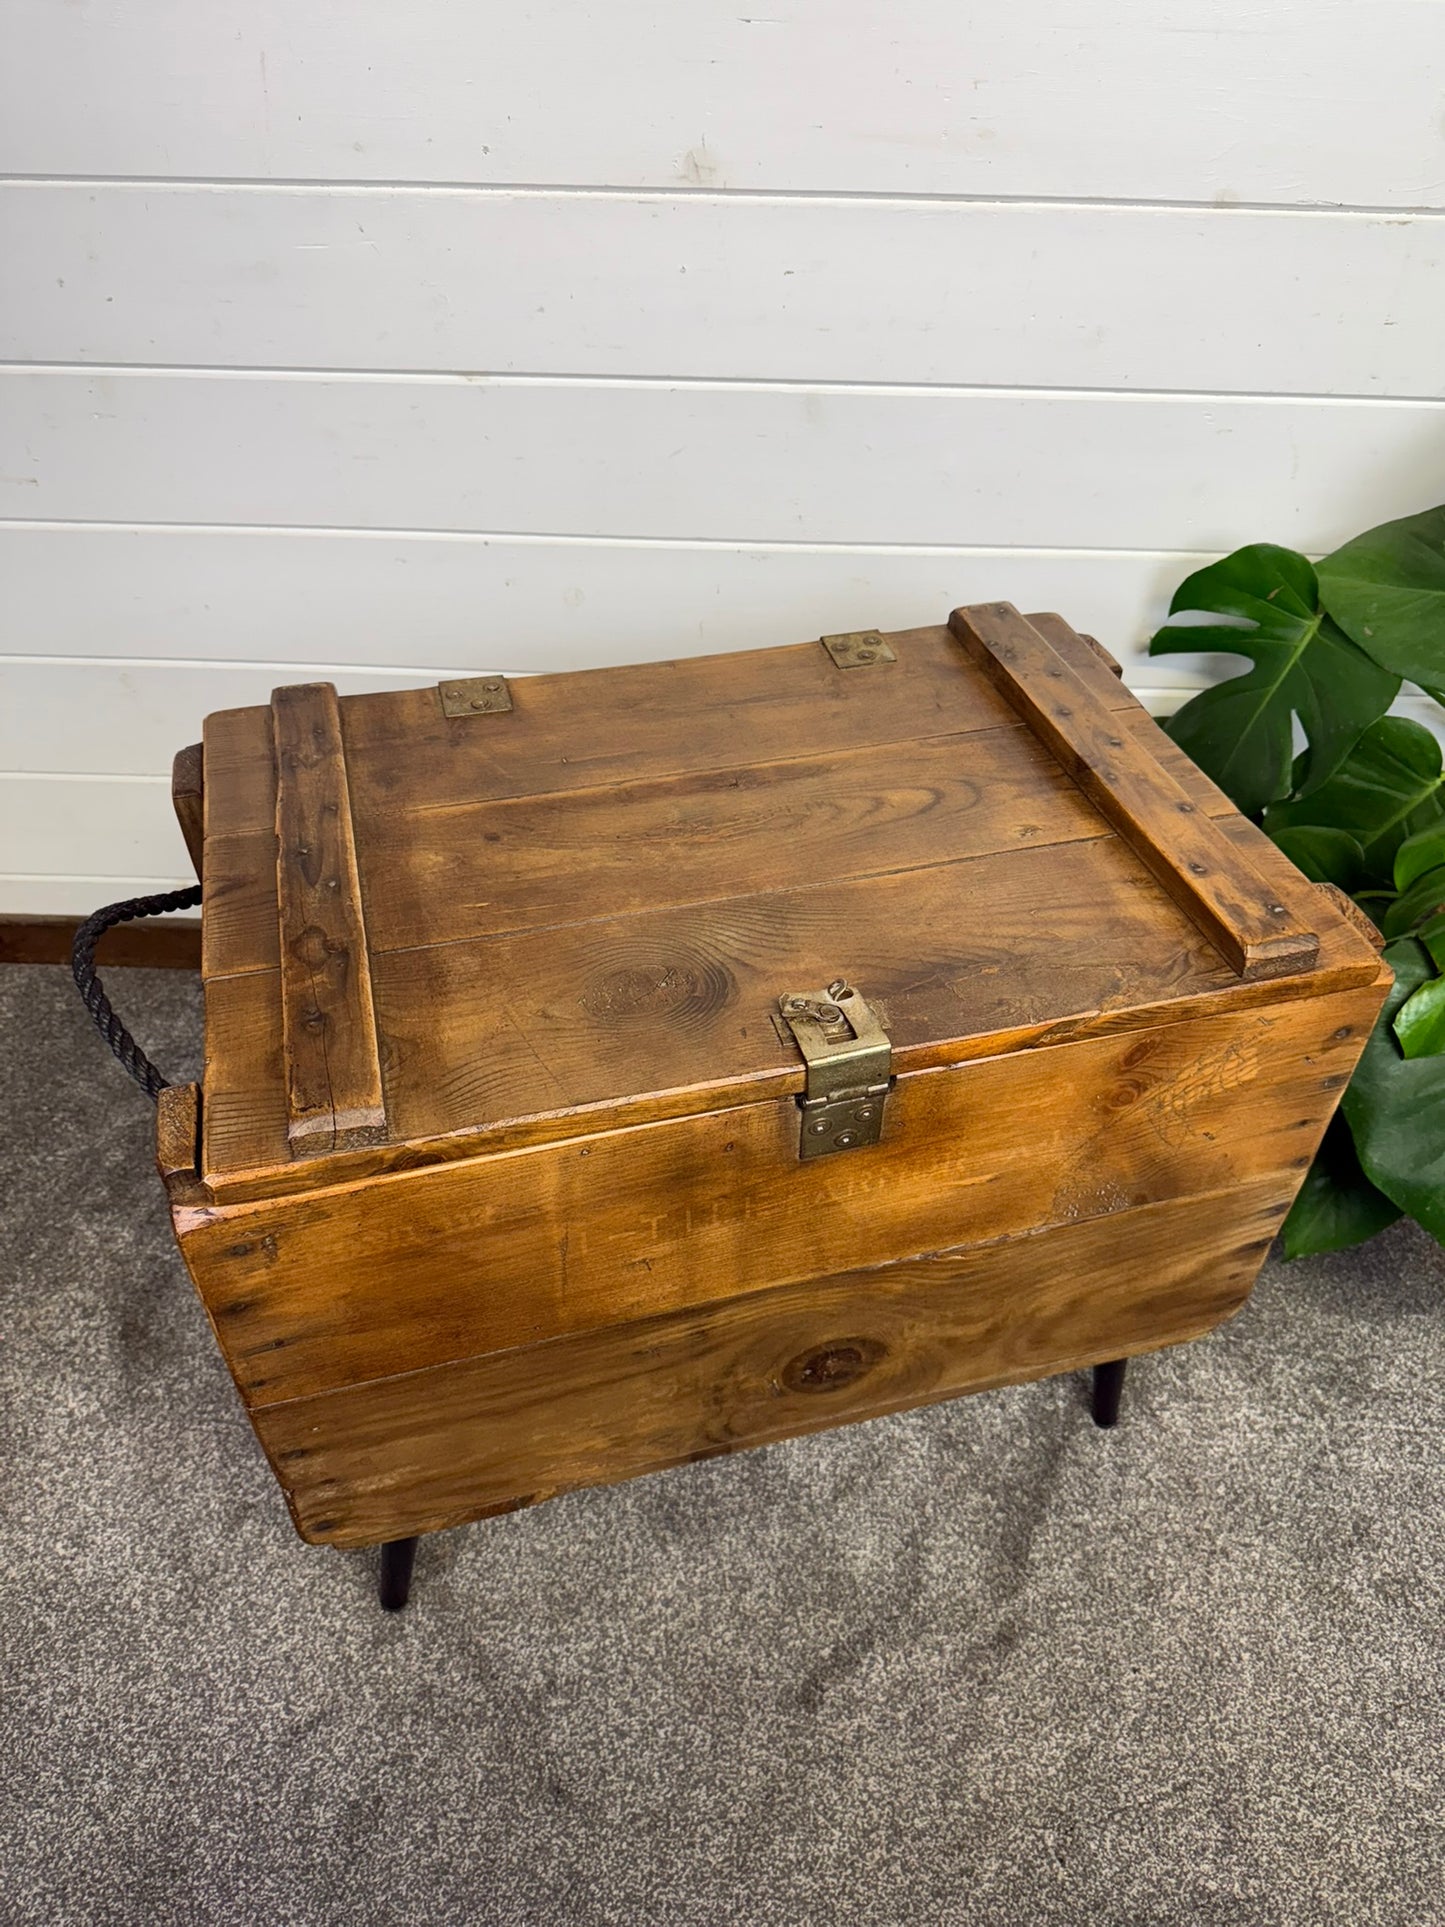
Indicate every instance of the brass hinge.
{"type": "Point", "coordinates": [858, 649]}
{"type": "Point", "coordinates": [475, 696]}
{"type": "Point", "coordinates": [850, 1068]}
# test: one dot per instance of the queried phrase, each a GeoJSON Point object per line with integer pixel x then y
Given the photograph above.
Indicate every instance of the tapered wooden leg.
{"type": "Point", "coordinates": [1108, 1388]}
{"type": "Point", "coordinates": [397, 1560]}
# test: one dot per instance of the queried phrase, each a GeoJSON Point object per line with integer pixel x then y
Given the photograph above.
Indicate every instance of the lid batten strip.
{"type": "Point", "coordinates": [1210, 880]}
{"type": "Point", "coordinates": [334, 1097]}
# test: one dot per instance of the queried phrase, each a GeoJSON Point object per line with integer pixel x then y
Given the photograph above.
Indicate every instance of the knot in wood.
{"type": "Point", "coordinates": [828, 1368]}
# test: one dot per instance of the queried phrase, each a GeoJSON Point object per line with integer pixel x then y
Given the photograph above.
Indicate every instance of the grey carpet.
{"type": "Point", "coordinates": [979, 1664]}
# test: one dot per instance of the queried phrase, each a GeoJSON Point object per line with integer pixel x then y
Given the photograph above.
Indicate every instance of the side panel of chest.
{"type": "Point", "coordinates": [419, 1269]}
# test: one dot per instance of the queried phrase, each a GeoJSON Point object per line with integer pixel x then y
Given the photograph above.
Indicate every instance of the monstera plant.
{"type": "Point", "coordinates": [1360, 805]}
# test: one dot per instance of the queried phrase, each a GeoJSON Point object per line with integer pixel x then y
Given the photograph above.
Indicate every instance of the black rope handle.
{"type": "Point", "coordinates": [82, 966]}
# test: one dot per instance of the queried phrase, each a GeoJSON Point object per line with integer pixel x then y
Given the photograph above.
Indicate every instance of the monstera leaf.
{"type": "Point", "coordinates": [1241, 731]}
{"type": "Point", "coordinates": [1420, 881]}
{"type": "Point", "coordinates": [1337, 1205]}
{"type": "Point", "coordinates": [1325, 856]}
{"type": "Point", "coordinates": [1388, 787]}
{"type": "Point", "coordinates": [1386, 590]}
{"type": "Point", "coordinates": [1395, 1105]}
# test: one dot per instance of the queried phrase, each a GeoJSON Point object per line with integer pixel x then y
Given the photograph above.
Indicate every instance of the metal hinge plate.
{"type": "Point", "coordinates": [475, 696]}
{"type": "Point", "coordinates": [850, 1068]}
{"type": "Point", "coordinates": [858, 648]}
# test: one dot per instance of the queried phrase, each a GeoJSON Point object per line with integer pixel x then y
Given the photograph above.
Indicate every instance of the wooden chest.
{"type": "Point", "coordinates": [608, 1070]}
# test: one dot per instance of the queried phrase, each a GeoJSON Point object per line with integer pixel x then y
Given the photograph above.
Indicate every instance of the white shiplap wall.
{"type": "Point", "coordinates": [387, 343]}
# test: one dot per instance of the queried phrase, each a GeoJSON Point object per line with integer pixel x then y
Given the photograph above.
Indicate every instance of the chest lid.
{"type": "Point", "coordinates": [475, 917]}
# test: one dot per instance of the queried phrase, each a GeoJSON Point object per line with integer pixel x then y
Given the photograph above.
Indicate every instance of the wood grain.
{"type": "Point", "coordinates": [333, 1072]}
{"type": "Point", "coordinates": [188, 801]}
{"type": "Point", "coordinates": [432, 1449]}
{"type": "Point", "coordinates": [438, 876]}
{"type": "Point", "coordinates": [516, 1039]}
{"type": "Point", "coordinates": [375, 1277]}
{"type": "Point", "coordinates": [1180, 844]}
{"type": "Point", "coordinates": [178, 1143]}
{"type": "Point", "coordinates": [452, 872]}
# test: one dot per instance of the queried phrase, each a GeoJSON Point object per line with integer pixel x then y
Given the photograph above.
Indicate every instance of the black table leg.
{"type": "Point", "coordinates": [1108, 1388]}
{"type": "Point", "coordinates": [397, 1559]}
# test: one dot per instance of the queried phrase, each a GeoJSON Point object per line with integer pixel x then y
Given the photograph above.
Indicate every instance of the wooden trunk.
{"type": "Point", "coordinates": [510, 1174]}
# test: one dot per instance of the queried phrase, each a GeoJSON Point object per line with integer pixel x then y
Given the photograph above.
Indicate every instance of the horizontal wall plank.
{"type": "Point", "coordinates": [306, 601]}
{"type": "Point", "coordinates": [129, 719]}
{"type": "Point", "coordinates": [740, 463]}
{"type": "Point", "coordinates": [93, 826]}
{"type": "Point", "coordinates": [24, 895]}
{"type": "Point", "coordinates": [1240, 101]}
{"type": "Point", "coordinates": [712, 285]}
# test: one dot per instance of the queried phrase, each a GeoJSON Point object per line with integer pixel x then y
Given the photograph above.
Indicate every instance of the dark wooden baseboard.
{"type": "Point", "coordinates": [161, 943]}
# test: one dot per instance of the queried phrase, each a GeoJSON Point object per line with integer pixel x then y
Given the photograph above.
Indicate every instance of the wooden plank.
{"type": "Point", "coordinates": [737, 462]}
{"type": "Point", "coordinates": [334, 1093]}
{"type": "Point", "coordinates": [1181, 844]}
{"type": "Point", "coordinates": [158, 943]}
{"type": "Point", "coordinates": [188, 801]}
{"type": "Point", "coordinates": [651, 720]}
{"type": "Point", "coordinates": [431, 1449]}
{"type": "Point", "coordinates": [335, 1287]}
{"type": "Point", "coordinates": [694, 716]}
{"type": "Point", "coordinates": [492, 1045]}
{"type": "Point", "coordinates": [440, 874]}
{"type": "Point", "coordinates": [720, 286]}
{"type": "Point", "coordinates": [1139, 102]}
{"type": "Point", "coordinates": [241, 913]}
{"type": "Point", "coordinates": [178, 1143]}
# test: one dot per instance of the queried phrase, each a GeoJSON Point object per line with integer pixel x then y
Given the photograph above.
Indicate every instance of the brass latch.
{"type": "Point", "coordinates": [850, 1068]}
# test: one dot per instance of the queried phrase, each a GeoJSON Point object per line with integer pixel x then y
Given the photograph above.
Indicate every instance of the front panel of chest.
{"type": "Point", "coordinates": [417, 1270]}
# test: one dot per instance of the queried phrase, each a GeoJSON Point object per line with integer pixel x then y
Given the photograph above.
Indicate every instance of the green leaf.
{"type": "Point", "coordinates": [1387, 788]}
{"type": "Point", "coordinates": [1241, 731]}
{"type": "Point", "coordinates": [1325, 856]}
{"type": "Point", "coordinates": [1395, 1106]}
{"type": "Point", "coordinates": [1420, 1020]}
{"type": "Point", "coordinates": [1423, 851]}
{"type": "Point", "coordinates": [1337, 1205]}
{"type": "Point", "coordinates": [1432, 935]}
{"type": "Point", "coordinates": [1419, 904]}
{"type": "Point", "coordinates": [1386, 590]}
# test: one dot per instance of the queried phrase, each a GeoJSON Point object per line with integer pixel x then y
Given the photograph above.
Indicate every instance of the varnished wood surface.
{"type": "Point", "coordinates": [595, 729]}
{"type": "Point", "coordinates": [586, 1246]}
{"type": "Point", "coordinates": [178, 1142]}
{"type": "Point", "coordinates": [188, 800]}
{"type": "Point", "coordinates": [490, 869]}
{"type": "Point", "coordinates": [1353, 914]}
{"type": "Point", "coordinates": [446, 872]}
{"type": "Point", "coordinates": [545, 945]}
{"type": "Point", "coordinates": [431, 1449]}
{"type": "Point", "coordinates": [338, 1286]}
{"type": "Point", "coordinates": [1163, 825]}
{"type": "Point", "coordinates": [334, 1093]}
{"type": "Point", "coordinates": [520, 1039]}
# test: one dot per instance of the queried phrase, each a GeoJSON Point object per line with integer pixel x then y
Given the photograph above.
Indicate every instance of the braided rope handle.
{"type": "Point", "coordinates": [82, 966]}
